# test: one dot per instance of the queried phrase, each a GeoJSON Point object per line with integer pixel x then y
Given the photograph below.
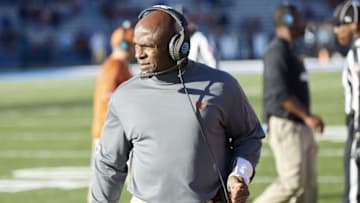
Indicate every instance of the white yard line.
{"type": "Point", "coordinates": [327, 152]}
{"type": "Point", "coordinates": [231, 66]}
{"type": "Point", "coordinates": [321, 179]}
{"type": "Point", "coordinates": [11, 185]}
{"type": "Point", "coordinates": [45, 154]}
{"type": "Point", "coordinates": [47, 124]}
{"type": "Point", "coordinates": [69, 154]}
{"type": "Point", "coordinates": [331, 133]}
{"type": "Point", "coordinates": [44, 136]}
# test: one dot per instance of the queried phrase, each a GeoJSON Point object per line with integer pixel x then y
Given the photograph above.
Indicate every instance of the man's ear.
{"type": "Point", "coordinates": [355, 27]}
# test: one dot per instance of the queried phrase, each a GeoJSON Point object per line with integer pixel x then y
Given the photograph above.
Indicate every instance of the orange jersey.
{"type": "Point", "coordinates": [113, 72]}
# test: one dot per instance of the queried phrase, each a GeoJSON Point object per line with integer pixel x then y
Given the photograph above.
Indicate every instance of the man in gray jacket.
{"type": "Point", "coordinates": [188, 126]}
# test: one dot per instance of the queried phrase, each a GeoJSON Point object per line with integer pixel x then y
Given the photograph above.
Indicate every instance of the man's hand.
{"type": "Point", "coordinates": [315, 123]}
{"type": "Point", "coordinates": [294, 106]}
{"type": "Point", "coordinates": [239, 191]}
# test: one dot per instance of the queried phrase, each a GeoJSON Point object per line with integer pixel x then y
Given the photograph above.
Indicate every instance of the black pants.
{"type": "Point", "coordinates": [352, 172]}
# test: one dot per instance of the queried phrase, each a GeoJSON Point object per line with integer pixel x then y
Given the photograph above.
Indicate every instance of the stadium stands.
{"type": "Point", "coordinates": [58, 32]}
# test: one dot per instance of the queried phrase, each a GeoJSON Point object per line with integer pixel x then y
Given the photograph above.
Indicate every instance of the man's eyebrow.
{"type": "Point", "coordinates": [146, 45]}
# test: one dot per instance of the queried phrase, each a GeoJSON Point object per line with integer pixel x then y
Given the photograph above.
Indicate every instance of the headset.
{"type": "Point", "coordinates": [179, 45]}
{"type": "Point", "coordinates": [288, 18]}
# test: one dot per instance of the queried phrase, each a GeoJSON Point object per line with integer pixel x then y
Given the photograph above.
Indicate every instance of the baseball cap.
{"type": "Point", "coordinates": [346, 13]}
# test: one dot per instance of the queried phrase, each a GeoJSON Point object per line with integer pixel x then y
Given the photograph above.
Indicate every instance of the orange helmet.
{"type": "Point", "coordinates": [122, 38]}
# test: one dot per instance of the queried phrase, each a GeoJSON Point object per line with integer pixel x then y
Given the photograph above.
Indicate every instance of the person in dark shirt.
{"type": "Point", "coordinates": [286, 107]}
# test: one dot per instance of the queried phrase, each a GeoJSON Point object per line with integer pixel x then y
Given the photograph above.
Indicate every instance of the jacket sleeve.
{"type": "Point", "coordinates": [244, 129]}
{"type": "Point", "coordinates": [110, 160]}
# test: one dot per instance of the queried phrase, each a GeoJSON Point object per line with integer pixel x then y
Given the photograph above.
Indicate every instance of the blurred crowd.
{"type": "Point", "coordinates": [70, 32]}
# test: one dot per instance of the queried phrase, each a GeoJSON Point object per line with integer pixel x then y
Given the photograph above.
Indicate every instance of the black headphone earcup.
{"type": "Point", "coordinates": [173, 47]}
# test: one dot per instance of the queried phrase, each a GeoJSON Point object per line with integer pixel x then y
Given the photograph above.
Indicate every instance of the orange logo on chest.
{"type": "Point", "coordinates": [201, 104]}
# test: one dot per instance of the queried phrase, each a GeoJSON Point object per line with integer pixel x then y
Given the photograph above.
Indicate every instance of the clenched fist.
{"type": "Point", "coordinates": [238, 189]}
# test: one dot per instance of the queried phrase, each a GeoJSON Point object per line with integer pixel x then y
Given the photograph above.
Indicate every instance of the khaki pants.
{"type": "Point", "coordinates": [295, 151]}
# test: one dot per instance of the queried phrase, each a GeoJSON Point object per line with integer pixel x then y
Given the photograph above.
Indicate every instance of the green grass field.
{"type": "Point", "coordinates": [46, 123]}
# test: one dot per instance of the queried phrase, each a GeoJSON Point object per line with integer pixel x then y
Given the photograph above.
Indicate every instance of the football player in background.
{"type": "Point", "coordinates": [114, 71]}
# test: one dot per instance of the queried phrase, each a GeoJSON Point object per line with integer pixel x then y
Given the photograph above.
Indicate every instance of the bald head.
{"type": "Point", "coordinates": [160, 24]}
{"type": "Point", "coordinates": [151, 38]}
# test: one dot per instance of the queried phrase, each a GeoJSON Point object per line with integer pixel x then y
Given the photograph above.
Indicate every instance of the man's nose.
{"type": "Point", "coordinates": [139, 52]}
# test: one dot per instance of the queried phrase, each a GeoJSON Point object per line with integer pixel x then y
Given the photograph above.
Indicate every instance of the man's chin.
{"type": "Point", "coordinates": [344, 42]}
{"type": "Point", "coordinates": [146, 68]}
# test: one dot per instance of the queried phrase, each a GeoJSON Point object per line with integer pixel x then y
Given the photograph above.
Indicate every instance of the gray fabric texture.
{"type": "Point", "coordinates": [170, 160]}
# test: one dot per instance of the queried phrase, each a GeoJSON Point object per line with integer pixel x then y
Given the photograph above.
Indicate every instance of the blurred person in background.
{"type": "Point", "coordinates": [286, 107]}
{"type": "Point", "coordinates": [98, 47]}
{"type": "Point", "coordinates": [347, 31]}
{"type": "Point", "coordinates": [114, 71]}
{"type": "Point", "coordinates": [201, 50]}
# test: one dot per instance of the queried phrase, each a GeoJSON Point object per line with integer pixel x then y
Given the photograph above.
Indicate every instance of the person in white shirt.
{"type": "Point", "coordinates": [200, 49]}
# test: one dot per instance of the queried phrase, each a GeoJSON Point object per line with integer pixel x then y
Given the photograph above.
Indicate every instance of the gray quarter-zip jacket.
{"type": "Point", "coordinates": [170, 162]}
